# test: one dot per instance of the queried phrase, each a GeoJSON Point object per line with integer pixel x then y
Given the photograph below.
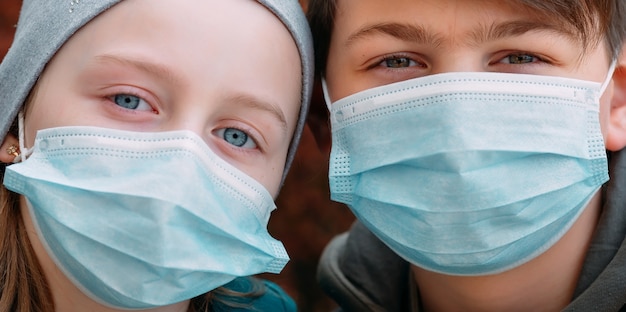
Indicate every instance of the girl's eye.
{"type": "Point", "coordinates": [236, 137]}
{"type": "Point", "coordinates": [398, 62]}
{"type": "Point", "coordinates": [129, 101]}
{"type": "Point", "coordinates": [520, 58]}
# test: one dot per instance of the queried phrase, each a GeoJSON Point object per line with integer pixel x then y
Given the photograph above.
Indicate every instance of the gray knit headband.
{"type": "Point", "coordinates": [45, 25]}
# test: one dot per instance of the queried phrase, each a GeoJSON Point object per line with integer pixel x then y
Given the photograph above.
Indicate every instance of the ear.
{"type": "Point", "coordinates": [616, 129]}
{"type": "Point", "coordinates": [8, 148]}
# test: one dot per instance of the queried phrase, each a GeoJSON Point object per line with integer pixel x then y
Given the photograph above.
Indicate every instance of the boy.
{"type": "Point", "coordinates": [142, 147]}
{"type": "Point", "coordinates": [469, 138]}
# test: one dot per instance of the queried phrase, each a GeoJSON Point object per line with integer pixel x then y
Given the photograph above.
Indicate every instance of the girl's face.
{"type": "Point", "coordinates": [227, 70]}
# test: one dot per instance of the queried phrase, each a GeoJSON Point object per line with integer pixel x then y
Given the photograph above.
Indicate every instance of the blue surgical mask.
{"type": "Point", "coordinates": [139, 220]}
{"type": "Point", "coordinates": [469, 173]}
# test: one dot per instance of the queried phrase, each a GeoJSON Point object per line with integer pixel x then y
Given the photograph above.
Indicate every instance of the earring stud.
{"type": "Point", "coordinates": [13, 150]}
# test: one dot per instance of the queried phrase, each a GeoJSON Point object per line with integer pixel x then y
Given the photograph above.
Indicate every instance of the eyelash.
{"type": "Point", "coordinates": [131, 92]}
{"type": "Point", "coordinates": [148, 99]}
{"type": "Point", "coordinates": [539, 59]}
{"type": "Point", "coordinates": [251, 135]}
{"type": "Point", "coordinates": [379, 62]}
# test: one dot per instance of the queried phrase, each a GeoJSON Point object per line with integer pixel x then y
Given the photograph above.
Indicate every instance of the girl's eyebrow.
{"type": "Point", "coordinates": [152, 68]}
{"type": "Point", "coordinates": [255, 103]}
{"type": "Point", "coordinates": [483, 33]}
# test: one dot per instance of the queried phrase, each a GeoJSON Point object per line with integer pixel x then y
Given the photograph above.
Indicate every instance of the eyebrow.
{"type": "Point", "coordinates": [405, 32]}
{"type": "Point", "coordinates": [419, 34]}
{"type": "Point", "coordinates": [155, 69]}
{"type": "Point", "coordinates": [255, 103]}
{"type": "Point", "coordinates": [518, 28]}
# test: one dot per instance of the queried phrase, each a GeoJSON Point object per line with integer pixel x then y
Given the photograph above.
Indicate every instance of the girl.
{"type": "Point", "coordinates": [149, 140]}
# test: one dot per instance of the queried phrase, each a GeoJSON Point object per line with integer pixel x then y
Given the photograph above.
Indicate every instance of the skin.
{"type": "Point", "coordinates": [187, 65]}
{"type": "Point", "coordinates": [376, 42]}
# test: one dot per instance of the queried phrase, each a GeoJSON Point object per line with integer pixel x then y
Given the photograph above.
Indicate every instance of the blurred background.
{"type": "Point", "coordinates": [305, 220]}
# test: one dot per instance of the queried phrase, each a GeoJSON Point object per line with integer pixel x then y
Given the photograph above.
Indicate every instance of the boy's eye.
{"type": "Point", "coordinates": [398, 62]}
{"type": "Point", "coordinates": [236, 137]}
{"type": "Point", "coordinates": [519, 59]}
{"type": "Point", "coordinates": [129, 101]}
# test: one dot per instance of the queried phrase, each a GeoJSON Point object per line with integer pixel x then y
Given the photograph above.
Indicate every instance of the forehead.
{"type": "Point", "coordinates": [210, 40]}
{"type": "Point", "coordinates": [442, 13]}
{"type": "Point", "coordinates": [560, 9]}
{"type": "Point", "coordinates": [470, 21]}
{"type": "Point", "coordinates": [181, 50]}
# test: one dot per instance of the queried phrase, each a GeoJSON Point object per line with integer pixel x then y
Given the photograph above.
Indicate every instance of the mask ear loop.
{"type": "Point", "coordinates": [25, 151]}
{"type": "Point", "coordinates": [609, 77]}
{"type": "Point", "coordinates": [326, 96]}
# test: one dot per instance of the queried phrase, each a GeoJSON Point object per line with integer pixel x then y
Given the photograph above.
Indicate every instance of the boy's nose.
{"type": "Point", "coordinates": [461, 61]}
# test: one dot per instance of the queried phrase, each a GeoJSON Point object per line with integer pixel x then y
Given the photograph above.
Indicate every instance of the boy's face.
{"type": "Point", "coordinates": [227, 70]}
{"type": "Point", "coordinates": [378, 42]}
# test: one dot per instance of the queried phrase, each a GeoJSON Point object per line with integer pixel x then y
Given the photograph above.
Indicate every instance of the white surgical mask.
{"type": "Point", "coordinates": [469, 173]}
{"type": "Point", "coordinates": [139, 220]}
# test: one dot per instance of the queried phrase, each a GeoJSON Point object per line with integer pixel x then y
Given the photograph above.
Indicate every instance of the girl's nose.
{"type": "Point", "coordinates": [190, 117]}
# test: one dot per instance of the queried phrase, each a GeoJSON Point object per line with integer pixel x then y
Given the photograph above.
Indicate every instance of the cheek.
{"type": "Point", "coordinates": [54, 104]}
{"type": "Point", "coordinates": [268, 173]}
{"type": "Point", "coordinates": [37, 117]}
{"type": "Point", "coordinates": [273, 173]}
{"type": "Point", "coordinates": [41, 107]}
{"type": "Point", "coordinates": [340, 85]}
{"type": "Point", "coordinates": [34, 120]}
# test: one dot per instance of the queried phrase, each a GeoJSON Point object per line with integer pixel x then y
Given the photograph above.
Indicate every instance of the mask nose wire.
{"type": "Point", "coordinates": [603, 87]}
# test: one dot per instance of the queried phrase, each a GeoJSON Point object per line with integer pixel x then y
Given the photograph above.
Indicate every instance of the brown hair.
{"type": "Point", "coordinates": [23, 287]}
{"type": "Point", "coordinates": [22, 284]}
{"type": "Point", "coordinates": [591, 19]}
